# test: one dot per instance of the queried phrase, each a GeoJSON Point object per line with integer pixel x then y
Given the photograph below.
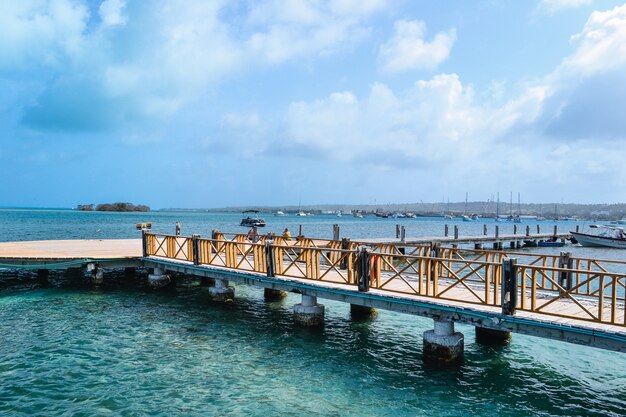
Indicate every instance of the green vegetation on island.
{"type": "Point", "coordinates": [122, 207]}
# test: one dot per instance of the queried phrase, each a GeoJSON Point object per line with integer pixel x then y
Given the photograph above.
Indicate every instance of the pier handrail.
{"type": "Point", "coordinates": [588, 294]}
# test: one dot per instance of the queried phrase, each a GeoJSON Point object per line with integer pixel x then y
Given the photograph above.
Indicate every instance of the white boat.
{"type": "Point", "coordinates": [467, 218]}
{"type": "Point", "coordinates": [280, 213]}
{"type": "Point", "coordinates": [301, 214]}
{"type": "Point", "coordinates": [605, 236]}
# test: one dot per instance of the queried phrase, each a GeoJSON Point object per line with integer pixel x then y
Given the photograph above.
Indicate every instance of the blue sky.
{"type": "Point", "coordinates": [218, 103]}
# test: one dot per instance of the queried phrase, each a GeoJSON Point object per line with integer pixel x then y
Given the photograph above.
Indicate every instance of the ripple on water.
{"type": "Point", "coordinates": [67, 352]}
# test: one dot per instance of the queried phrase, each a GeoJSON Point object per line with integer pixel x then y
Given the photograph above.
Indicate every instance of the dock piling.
{"type": "Point", "coordinates": [221, 292]}
{"type": "Point", "coordinates": [442, 344]}
{"type": "Point", "coordinates": [157, 279]}
{"type": "Point", "coordinates": [308, 312]}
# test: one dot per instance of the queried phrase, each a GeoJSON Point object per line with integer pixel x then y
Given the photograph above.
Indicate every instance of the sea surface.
{"type": "Point", "coordinates": [72, 350]}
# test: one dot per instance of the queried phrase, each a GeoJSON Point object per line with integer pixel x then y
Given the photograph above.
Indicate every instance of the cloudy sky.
{"type": "Point", "coordinates": [182, 103]}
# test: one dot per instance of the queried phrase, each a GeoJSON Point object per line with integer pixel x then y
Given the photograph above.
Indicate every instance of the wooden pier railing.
{"type": "Point", "coordinates": [561, 286]}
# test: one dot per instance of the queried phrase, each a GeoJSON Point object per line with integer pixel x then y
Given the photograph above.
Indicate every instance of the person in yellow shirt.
{"type": "Point", "coordinates": [287, 234]}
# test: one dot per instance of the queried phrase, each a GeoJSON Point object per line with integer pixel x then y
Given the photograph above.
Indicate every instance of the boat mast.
{"type": "Point", "coordinates": [498, 206]}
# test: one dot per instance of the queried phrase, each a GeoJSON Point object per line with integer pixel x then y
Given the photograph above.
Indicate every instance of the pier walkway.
{"type": "Point", "coordinates": [562, 297]}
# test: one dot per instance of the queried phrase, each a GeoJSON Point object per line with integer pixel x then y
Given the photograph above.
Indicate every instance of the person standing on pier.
{"type": "Point", "coordinates": [252, 234]}
{"type": "Point", "coordinates": [287, 234]}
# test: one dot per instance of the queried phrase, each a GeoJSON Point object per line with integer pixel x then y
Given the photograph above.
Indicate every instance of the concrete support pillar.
{"type": "Point", "coordinates": [308, 312]}
{"type": "Point", "coordinates": [271, 294]}
{"type": "Point", "coordinates": [222, 292]}
{"type": "Point", "coordinates": [358, 312]}
{"type": "Point", "coordinates": [157, 279]}
{"type": "Point", "coordinates": [492, 337]}
{"type": "Point", "coordinates": [443, 344]}
{"type": "Point", "coordinates": [96, 274]}
{"type": "Point", "coordinates": [478, 245]}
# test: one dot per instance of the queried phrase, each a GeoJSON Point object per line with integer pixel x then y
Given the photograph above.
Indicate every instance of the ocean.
{"type": "Point", "coordinates": [126, 350]}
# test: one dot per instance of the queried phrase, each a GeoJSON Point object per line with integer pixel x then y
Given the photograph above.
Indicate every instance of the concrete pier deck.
{"type": "Point", "coordinates": [455, 289]}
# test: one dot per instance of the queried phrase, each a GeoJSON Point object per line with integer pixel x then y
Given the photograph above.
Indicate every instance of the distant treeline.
{"type": "Point", "coordinates": [113, 207]}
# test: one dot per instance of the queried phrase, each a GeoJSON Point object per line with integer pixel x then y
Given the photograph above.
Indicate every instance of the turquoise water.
{"type": "Point", "coordinates": [71, 350]}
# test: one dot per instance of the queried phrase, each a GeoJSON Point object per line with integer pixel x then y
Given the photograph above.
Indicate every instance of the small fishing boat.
{"type": "Point", "coordinates": [251, 218]}
{"type": "Point", "coordinates": [604, 236]}
{"type": "Point", "coordinates": [280, 213]}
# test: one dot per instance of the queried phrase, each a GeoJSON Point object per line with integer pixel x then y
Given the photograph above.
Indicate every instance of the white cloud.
{"type": "Point", "coordinates": [583, 96]}
{"type": "Point", "coordinates": [602, 43]}
{"type": "Point", "coordinates": [408, 50]}
{"type": "Point", "coordinates": [432, 121]}
{"type": "Point", "coordinates": [33, 31]}
{"type": "Point", "coordinates": [111, 12]}
{"type": "Point", "coordinates": [146, 60]}
{"type": "Point", "coordinates": [442, 124]}
{"type": "Point", "coordinates": [558, 5]}
{"type": "Point", "coordinates": [303, 28]}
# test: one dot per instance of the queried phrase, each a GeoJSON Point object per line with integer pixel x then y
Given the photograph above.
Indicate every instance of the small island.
{"type": "Point", "coordinates": [121, 207]}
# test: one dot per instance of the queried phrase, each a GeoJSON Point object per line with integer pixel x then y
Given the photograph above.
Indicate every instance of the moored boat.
{"type": "Point", "coordinates": [606, 236]}
{"type": "Point", "coordinates": [249, 220]}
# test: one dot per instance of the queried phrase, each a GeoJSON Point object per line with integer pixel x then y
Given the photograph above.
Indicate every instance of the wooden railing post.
{"type": "Point", "coordinates": [269, 257]}
{"type": "Point", "coordinates": [509, 286]}
{"type": "Point", "coordinates": [195, 245]}
{"type": "Point", "coordinates": [144, 242]}
{"type": "Point", "coordinates": [345, 245]}
{"type": "Point", "coordinates": [565, 277]}
{"type": "Point", "coordinates": [363, 269]}
{"type": "Point", "coordinates": [435, 252]}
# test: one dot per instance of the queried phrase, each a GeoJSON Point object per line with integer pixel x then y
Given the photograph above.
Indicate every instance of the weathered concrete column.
{"type": "Point", "coordinates": [492, 337]}
{"type": "Point", "coordinates": [222, 291]}
{"type": "Point", "coordinates": [271, 294]}
{"type": "Point", "coordinates": [95, 274]}
{"type": "Point", "coordinates": [358, 312]}
{"type": "Point", "coordinates": [443, 344]}
{"type": "Point", "coordinates": [157, 279]}
{"type": "Point", "coordinates": [308, 312]}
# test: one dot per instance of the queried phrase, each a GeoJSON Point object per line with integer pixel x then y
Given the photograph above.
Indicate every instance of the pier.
{"type": "Point", "coordinates": [559, 297]}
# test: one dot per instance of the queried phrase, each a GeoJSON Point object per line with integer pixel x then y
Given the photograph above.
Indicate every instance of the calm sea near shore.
{"type": "Point", "coordinates": [124, 350]}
